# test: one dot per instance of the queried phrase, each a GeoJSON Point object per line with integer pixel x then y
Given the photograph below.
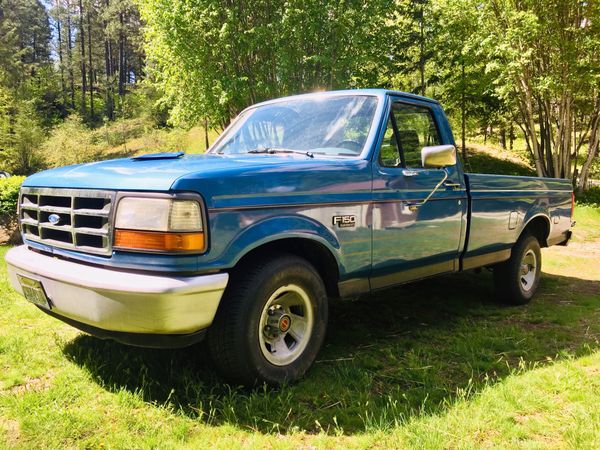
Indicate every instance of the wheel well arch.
{"type": "Point", "coordinates": [314, 252]}
{"type": "Point", "coordinates": [538, 226]}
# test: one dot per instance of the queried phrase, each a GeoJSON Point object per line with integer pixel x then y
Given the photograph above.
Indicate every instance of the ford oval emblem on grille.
{"type": "Point", "coordinates": [54, 219]}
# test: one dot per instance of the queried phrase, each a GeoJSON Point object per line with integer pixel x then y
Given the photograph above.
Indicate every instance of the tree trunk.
{"type": "Point", "coordinates": [108, 70]}
{"type": "Point", "coordinates": [70, 55]}
{"type": "Point", "coordinates": [206, 133]}
{"type": "Point", "coordinates": [91, 68]}
{"type": "Point", "coordinates": [60, 53]}
{"type": "Point", "coordinates": [593, 144]}
{"type": "Point", "coordinates": [121, 56]}
{"type": "Point", "coordinates": [463, 114]}
{"type": "Point", "coordinates": [422, 48]}
{"type": "Point", "coordinates": [83, 68]}
{"type": "Point", "coordinates": [527, 115]}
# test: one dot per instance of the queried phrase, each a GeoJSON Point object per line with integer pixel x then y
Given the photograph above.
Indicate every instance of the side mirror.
{"type": "Point", "coordinates": [438, 156]}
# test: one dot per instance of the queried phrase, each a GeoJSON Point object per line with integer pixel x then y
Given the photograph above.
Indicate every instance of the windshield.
{"type": "Point", "coordinates": [334, 126]}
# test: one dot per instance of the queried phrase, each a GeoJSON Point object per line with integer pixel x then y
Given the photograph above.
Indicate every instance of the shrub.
{"type": "Point", "coordinates": [162, 140]}
{"type": "Point", "coordinates": [116, 133]}
{"type": "Point", "coordinates": [590, 197]}
{"type": "Point", "coordinates": [9, 194]}
{"type": "Point", "coordinates": [9, 197]}
{"type": "Point", "coordinates": [23, 144]}
{"type": "Point", "coordinates": [71, 143]}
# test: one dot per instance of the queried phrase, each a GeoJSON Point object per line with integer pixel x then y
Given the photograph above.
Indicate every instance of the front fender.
{"type": "Point", "coordinates": [281, 227]}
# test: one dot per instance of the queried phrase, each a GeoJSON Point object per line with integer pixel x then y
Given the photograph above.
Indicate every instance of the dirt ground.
{"type": "Point", "coordinates": [9, 236]}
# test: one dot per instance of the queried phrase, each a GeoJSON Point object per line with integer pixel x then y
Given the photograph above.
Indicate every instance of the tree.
{"type": "Point", "coordinates": [95, 28]}
{"type": "Point", "coordinates": [543, 53]}
{"type": "Point", "coordinates": [213, 58]}
{"type": "Point", "coordinates": [27, 82]}
{"type": "Point", "coordinates": [460, 72]}
{"type": "Point", "coordinates": [411, 32]}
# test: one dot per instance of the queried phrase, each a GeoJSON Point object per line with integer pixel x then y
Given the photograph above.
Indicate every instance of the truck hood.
{"type": "Point", "coordinates": [157, 174]}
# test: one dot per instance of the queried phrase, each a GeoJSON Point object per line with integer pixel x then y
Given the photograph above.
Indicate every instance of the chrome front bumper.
{"type": "Point", "coordinates": [117, 301]}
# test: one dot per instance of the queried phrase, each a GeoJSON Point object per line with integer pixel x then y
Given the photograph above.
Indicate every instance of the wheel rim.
{"type": "Point", "coordinates": [286, 325]}
{"type": "Point", "coordinates": [528, 270]}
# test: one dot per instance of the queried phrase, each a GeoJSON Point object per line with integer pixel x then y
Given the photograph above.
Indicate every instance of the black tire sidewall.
{"type": "Point", "coordinates": [281, 272]}
{"type": "Point", "coordinates": [530, 243]}
{"type": "Point", "coordinates": [508, 275]}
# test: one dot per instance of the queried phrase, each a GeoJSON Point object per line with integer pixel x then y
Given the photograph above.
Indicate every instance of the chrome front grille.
{"type": "Point", "coordinates": [75, 219]}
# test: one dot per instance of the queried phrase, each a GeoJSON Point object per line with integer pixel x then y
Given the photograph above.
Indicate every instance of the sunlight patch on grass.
{"type": "Point", "coordinates": [550, 407]}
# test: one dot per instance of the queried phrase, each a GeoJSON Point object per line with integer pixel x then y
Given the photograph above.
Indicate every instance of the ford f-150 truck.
{"type": "Point", "coordinates": [301, 199]}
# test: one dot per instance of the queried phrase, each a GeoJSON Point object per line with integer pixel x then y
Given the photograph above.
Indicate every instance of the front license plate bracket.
{"type": "Point", "coordinates": [34, 291]}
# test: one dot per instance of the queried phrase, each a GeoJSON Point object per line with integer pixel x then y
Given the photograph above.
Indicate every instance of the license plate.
{"type": "Point", "coordinates": [34, 291]}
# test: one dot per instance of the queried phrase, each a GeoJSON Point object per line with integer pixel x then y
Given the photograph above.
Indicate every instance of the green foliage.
{"type": "Point", "coordinates": [9, 198]}
{"type": "Point", "coordinates": [70, 143]}
{"type": "Point", "coordinates": [590, 197]}
{"type": "Point", "coordinates": [24, 39]}
{"type": "Point", "coordinates": [21, 141]}
{"type": "Point", "coordinates": [527, 68]}
{"type": "Point", "coordinates": [212, 60]}
{"type": "Point", "coordinates": [9, 194]}
{"type": "Point", "coordinates": [73, 142]}
{"type": "Point", "coordinates": [542, 56]}
{"type": "Point", "coordinates": [147, 104]}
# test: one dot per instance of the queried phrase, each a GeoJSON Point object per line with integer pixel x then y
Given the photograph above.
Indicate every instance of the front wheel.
{"type": "Point", "coordinates": [517, 279]}
{"type": "Point", "coordinates": [271, 322]}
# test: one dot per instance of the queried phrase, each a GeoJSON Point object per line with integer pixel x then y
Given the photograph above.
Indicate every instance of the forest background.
{"type": "Point", "coordinates": [82, 80]}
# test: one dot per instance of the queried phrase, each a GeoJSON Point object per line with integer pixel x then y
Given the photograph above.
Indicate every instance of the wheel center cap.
{"type": "Point", "coordinates": [285, 322]}
{"type": "Point", "coordinates": [524, 269]}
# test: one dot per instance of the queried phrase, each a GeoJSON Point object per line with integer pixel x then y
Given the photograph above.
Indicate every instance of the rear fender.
{"type": "Point", "coordinates": [539, 211]}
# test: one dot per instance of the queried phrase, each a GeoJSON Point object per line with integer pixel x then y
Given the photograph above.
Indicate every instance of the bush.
{"type": "Point", "coordinates": [160, 140]}
{"type": "Point", "coordinates": [590, 197]}
{"type": "Point", "coordinates": [71, 143]}
{"type": "Point", "coordinates": [23, 145]}
{"type": "Point", "coordinates": [9, 197]}
{"type": "Point", "coordinates": [113, 134]}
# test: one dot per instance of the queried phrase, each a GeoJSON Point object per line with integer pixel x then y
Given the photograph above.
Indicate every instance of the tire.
{"type": "Point", "coordinates": [271, 322]}
{"type": "Point", "coordinates": [515, 284]}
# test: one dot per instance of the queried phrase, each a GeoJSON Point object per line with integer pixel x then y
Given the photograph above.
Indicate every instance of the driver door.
{"type": "Point", "coordinates": [412, 239]}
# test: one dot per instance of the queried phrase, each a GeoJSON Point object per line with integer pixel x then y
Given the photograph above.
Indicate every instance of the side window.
{"type": "Point", "coordinates": [389, 155]}
{"type": "Point", "coordinates": [416, 129]}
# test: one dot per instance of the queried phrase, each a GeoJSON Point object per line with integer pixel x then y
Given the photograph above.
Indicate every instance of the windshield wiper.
{"type": "Point", "coordinates": [273, 150]}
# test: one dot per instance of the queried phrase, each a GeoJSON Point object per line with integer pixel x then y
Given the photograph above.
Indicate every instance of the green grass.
{"type": "Point", "coordinates": [433, 364]}
{"type": "Point", "coordinates": [493, 159]}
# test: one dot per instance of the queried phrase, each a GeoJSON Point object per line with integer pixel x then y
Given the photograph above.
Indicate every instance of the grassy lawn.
{"type": "Point", "coordinates": [434, 364]}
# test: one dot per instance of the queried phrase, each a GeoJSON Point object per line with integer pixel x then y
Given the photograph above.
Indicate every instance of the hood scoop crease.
{"type": "Point", "coordinates": [163, 155]}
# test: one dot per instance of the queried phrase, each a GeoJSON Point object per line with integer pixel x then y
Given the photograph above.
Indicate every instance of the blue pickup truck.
{"type": "Point", "coordinates": [301, 199]}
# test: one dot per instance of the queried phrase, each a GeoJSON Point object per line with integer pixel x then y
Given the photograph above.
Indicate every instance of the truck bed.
{"type": "Point", "coordinates": [501, 206]}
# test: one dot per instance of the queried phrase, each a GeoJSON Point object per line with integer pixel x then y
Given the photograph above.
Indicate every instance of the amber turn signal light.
{"type": "Point", "coordinates": [159, 241]}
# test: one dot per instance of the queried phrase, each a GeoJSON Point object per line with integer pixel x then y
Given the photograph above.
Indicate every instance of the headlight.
{"type": "Point", "coordinates": [159, 224]}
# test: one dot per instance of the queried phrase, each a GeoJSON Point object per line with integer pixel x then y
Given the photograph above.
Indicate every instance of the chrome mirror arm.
{"type": "Point", "coordinates": [414, 205]}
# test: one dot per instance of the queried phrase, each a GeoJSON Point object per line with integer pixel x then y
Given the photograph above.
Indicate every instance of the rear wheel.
{"type": "Point", "coordinates": [517, 279]}
{"type": "Point", "coordinates": [271, 322]}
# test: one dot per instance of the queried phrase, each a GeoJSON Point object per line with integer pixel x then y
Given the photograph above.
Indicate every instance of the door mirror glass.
{"type": "Point", "coordinates": [438, 156]}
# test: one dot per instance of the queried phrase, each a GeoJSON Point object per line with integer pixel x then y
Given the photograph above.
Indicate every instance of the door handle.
{"type": "Point", "coordinates": [413, 206]}
{"type": "Point", "coordinates": [409, 173]}
{"type": "Point", "coordinates": [453, 186]}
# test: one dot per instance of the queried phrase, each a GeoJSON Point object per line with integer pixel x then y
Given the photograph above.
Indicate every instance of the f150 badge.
{"type": "Point", "coordinates": [344, 221]}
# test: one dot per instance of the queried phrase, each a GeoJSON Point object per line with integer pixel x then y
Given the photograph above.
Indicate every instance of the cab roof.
{"type": "Point", "coordinates": [373, 92]}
